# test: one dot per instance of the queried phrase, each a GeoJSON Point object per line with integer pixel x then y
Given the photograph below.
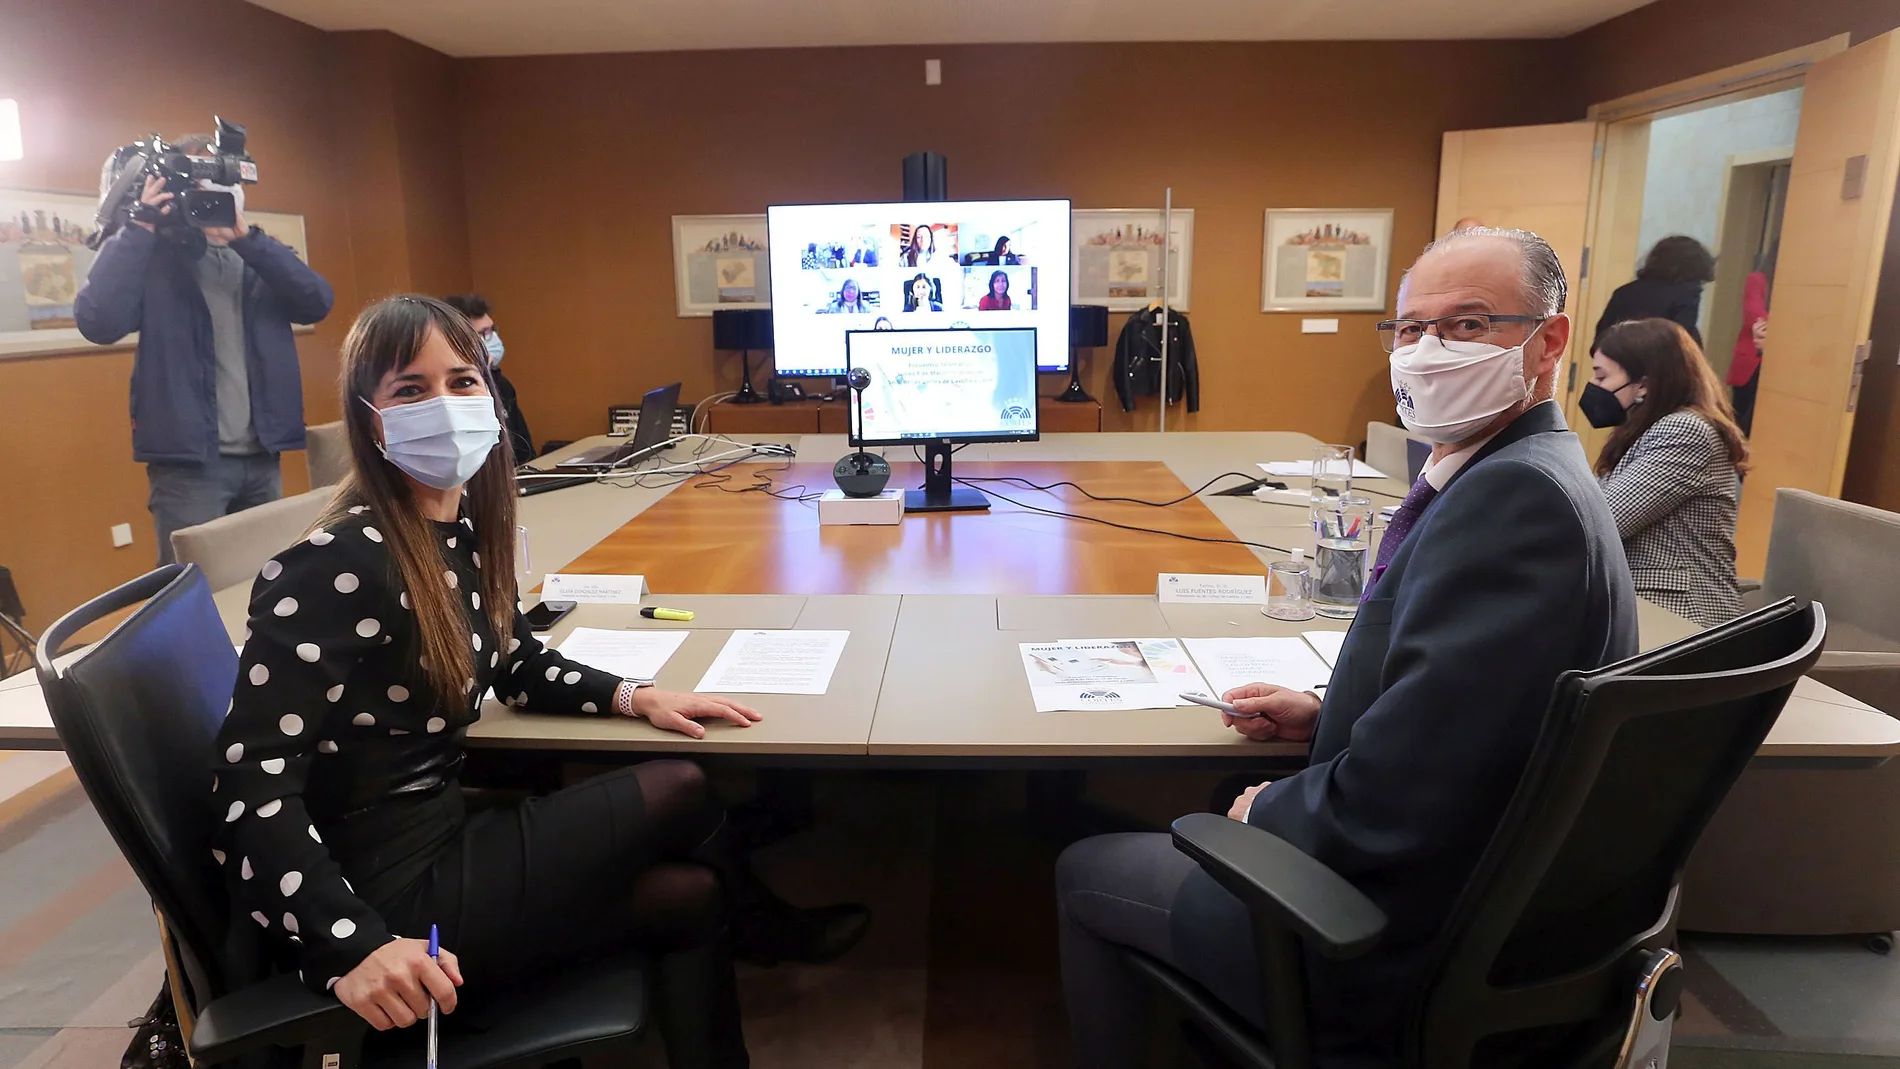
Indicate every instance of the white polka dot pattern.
{"type": "Point", "coordinates": [452, 579]}
{"type": "Point", "coordinates": [343, 928]}
{"type": "Point", "coordinates": [363, 720]}
{"type": "Point", "coordinates": [334, 694]}
{"type": "Point", "coordinates": [436, 724]}
{"type": "Point", "coordinates": [258, 916]}
{"type": "Point", "coordinates": [290, 882]}
{"type": "Point", "coordinates": [236, 811]}
{"type": "Point", "coordinates": [245, 871]}
{"type": "Point", "coordinates": [272, 569]}
{"type": "Point", "coordinates": [290, 724]}
{"type": "Point", "coordinates": [272, 766]}
{"type": "Point", "coordinates": [309, 653]}
{"type": "Point", "coordinates": [321, 538]}
{"type": "Point", "coordinates": [398, 693]}
{"type": "Point", "coordinates": [285, 607]}
{"type": "Point", "coordinates": [369, 628]}
{"type": "Point", "coordinates": [346, 583]}
{"type": "Point", "coordinates": [372, 534]}
{"type": "Point", "coordinates": [234, 752]}
{"type": "Point", "coordinates": [270, 808]}
{"type": "Point", "coordinates": [260, 675]}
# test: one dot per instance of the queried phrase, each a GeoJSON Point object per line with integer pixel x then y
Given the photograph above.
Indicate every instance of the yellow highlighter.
{"type": "Point", "coordinates": [681, 615]}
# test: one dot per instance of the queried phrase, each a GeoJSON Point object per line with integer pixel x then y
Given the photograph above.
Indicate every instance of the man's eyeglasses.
{"type": "Point", "coordinates": [1470, 326]}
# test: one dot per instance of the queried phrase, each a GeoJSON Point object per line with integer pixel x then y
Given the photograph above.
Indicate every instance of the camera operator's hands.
{"type": "Point", "coordinates": [155, 196]}
{"type": "Point", "coordinates": [220, 235]}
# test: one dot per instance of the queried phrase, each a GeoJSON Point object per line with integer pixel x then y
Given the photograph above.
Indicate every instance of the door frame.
{"type": "Point", "coordinates": [1616, 184]}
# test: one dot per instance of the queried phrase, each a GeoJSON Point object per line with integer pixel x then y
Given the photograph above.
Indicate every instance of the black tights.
{"type": "Point", "coordinates": [632, 860]}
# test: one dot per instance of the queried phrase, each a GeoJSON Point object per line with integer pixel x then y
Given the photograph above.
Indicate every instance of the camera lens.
{"type": "Point", "coordinates": [858, 378]}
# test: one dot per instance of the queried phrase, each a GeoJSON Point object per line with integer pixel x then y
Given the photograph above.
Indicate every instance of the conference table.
{"type": "Point", "coordinates": [937, 605]}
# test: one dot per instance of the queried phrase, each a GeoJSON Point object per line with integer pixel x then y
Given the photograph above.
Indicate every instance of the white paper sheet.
{"type": "Point", "coordinates": [1227, 663]}
{"type": "Point", "coordinates": [1130, 673]}
{"type": "Point", "coordinates": [775, 662]}
{"type": "Point", "coordinates": [1303, 469]}
{"type": "Point", "coordinates": [636, 655]}
{"type": "Point", "coordinates": [1326, 644]}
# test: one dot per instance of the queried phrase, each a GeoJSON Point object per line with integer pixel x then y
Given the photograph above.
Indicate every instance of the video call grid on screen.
{"type": "Point", "coordinates": [916, 265]}
{"type": "Point", "coordinates": [967, 385]}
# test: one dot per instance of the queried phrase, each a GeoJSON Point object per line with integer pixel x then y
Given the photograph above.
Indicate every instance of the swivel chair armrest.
{"type": "Point", "coordinates": [1752, 595]}
{"type": "Point", "coordinates": [1270, 875]}
{"type": "Point", "coordinates": [279, 1012]}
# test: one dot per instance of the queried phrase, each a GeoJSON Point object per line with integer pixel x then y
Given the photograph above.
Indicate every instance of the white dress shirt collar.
{"type": "Point", "coordinates": [1439, 472]}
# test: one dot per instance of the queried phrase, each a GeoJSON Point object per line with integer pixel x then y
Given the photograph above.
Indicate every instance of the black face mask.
{"type": "Point", "coordinates": [1601, 407]}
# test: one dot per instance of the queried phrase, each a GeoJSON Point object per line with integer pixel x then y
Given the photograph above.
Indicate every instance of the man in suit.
{"type": "Point", "coordinates": [1501, 570]}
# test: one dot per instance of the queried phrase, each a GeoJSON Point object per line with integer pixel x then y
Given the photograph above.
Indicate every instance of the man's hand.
{"type": "Point", "coordinates": [225, 235]}
{"type": "Point", "coordinates": [391, 988]}
{"type": "Point", "coordinates": [156, 196]}
{"type": "Point", "coordinates": [682, 712]}
{"type": "Point", "coordinates": [1287, 715]}
{"type": "Point", "coordinates": [1243, 805]}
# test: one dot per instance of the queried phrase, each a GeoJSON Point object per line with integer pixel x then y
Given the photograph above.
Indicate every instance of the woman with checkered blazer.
{"type": "Point", "coordinates": [1672, 468]}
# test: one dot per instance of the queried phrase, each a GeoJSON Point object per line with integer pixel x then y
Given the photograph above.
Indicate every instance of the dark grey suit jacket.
{"type": "Point", "coordinates": [1514, 575]}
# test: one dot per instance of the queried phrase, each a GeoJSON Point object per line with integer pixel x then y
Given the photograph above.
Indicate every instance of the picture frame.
{"type": "Point", "coordinates": [1325, 259]}
{"type": "Point", "coordinates": [44, 262]}
{"type": "Point", "coordinates": [1115, 258]}
{"type": "Point", "coordinates": [720, 261]}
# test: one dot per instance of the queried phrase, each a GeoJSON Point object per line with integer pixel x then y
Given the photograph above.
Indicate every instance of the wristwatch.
{"type": "Point", "coordinates": [623, 695]}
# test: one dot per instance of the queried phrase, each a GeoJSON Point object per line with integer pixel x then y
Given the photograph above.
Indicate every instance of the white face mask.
{"type": "Point", "coordinates": [441, 442]}
{"type": "Point", "coordinates": [1448, 390]}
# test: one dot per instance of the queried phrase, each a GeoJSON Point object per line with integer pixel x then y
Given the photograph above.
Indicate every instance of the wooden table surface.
{"type": "Point", "coordinates": [702, 539]}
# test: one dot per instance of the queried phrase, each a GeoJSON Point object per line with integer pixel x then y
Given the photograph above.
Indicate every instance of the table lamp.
{"type": "Point", "coordinates": [742, 330]}
{"type": "Point", "coordinates": [1088, 329]}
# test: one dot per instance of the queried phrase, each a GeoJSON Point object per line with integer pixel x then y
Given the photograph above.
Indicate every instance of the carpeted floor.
{"type": "Point", "coordinates": [959, 970]}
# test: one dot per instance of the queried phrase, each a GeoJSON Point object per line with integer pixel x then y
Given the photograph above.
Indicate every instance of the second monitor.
{"type": "Point", "coordinates": [941, 389]}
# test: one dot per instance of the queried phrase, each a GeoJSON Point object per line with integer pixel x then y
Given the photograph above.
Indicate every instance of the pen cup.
{"type": "Point", "coordinates": [1343, 537]}
{"type": "Point", "coordinates": [1290, 589]}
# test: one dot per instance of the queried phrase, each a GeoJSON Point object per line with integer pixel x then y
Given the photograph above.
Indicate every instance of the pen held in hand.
{"type": "Point", "coordinates": [435, 955]}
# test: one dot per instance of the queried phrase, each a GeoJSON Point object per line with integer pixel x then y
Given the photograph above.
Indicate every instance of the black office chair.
{"type": "Point", "coordinates": [1557, 952]}
{"type": "Point", "coordinates": [137, 713]}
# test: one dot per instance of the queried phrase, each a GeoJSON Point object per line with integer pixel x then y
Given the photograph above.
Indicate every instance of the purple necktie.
{"type": "Point", "coordinates": [1399, 526]}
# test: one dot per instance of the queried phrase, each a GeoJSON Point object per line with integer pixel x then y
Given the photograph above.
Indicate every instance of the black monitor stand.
{"type": "Point", "coordinates": [940, 494]}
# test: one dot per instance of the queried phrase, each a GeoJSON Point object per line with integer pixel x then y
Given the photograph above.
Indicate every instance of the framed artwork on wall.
{"type": "Point", "coordinates": [44, 262]}
{"type": "Point", "coordinates": [720, 261]}
{"type": "Point", "coordinates": [1325, 259]}
{"type": "Point", "coordinates": [1116, 258]}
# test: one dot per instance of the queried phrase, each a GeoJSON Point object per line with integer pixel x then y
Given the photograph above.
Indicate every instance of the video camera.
{"type": "Point", "coordinates": [122, 184]}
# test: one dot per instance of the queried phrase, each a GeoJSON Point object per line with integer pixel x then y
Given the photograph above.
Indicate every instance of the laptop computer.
{"type": "Point", "coordinates": [652, 434]}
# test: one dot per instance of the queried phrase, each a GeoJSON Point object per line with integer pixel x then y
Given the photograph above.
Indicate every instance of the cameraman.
{"type": "Point", "coordinates": [216, 390]}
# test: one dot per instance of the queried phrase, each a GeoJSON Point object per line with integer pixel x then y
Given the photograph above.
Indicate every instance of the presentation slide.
{"type": "Point", "coordinates": [978, 384]}
{"type": "Point", "coordinates": [914, 266]}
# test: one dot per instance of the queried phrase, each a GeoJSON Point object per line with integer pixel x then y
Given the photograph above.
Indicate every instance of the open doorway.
{"type": "Point", "coordinates": [1715, 170]}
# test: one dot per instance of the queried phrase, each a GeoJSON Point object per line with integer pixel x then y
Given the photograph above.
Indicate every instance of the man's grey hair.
{"type": "Point", "coordinates": [1544, 287]}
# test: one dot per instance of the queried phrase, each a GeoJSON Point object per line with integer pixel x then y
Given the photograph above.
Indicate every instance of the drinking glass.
{"type": "Point", "coordinates": [1289, 590]}
{"type": "Point", "coordinates": [1332, 473]}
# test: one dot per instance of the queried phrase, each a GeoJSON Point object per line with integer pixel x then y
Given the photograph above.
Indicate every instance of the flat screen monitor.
{"type": "Point", "coordinates": [921, 386]}
{"type": "Point", "coordinates": [927, 264]}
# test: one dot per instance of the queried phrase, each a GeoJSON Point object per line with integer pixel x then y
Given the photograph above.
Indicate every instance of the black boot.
{"type": "Point", "coordinates": [771, 930]}
{"type": "Point", "coordinates": [696, 1006]}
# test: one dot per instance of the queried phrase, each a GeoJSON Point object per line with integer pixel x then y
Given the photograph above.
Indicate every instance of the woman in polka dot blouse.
{"type": "Point", "coordinates": [372, 642]}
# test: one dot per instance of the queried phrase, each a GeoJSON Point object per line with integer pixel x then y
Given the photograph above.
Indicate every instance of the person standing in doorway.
{"type": "Point", "coordinates": [1744, 369]}
{"type": "Point", "coordinates": [216, 390]}
{"type": "Point", "coordinates": [1667, 286]}
{"type": "Point", "coordinates": [475, 307]}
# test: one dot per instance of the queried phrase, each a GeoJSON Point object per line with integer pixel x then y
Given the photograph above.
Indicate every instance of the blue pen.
{"type": "Point", "coordinates": [435, 954]}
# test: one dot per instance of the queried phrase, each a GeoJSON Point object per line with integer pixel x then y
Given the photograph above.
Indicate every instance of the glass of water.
{"type": "Point", "coordinates": [1342, 530]}
{"type": "Point", "coordinates": [1290, 589]}
{"type": "Point", "coordinates": [1332, 473]}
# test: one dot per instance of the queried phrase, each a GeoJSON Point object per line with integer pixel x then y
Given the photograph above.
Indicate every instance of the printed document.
{"type": "Point", "coordinates": [1133, 673]}
{"type": "Point", "coordinates": [775, 662]}
{"type": "Point", "coordinates": [635, 655]}
{"type": "Point", "coordinates": [1227, 663]}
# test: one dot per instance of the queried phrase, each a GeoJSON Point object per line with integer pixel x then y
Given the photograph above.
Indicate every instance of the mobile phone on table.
{"type": "Point", "coordinates": [1224, 707]}
{"type": "Point", "coordinates": [544, 616]}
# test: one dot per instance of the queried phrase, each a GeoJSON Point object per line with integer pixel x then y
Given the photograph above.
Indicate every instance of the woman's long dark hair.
{"type": "Point", "coordinates": [387, 337]}
{"type": "Point", "coordinates": [912, 251]}
{"type": "Point", "coordinates": [1676, 377]}
{"type": "Point", "coordinates": [1678, 259]}
{"type": "Point", "coordinates": [994, 275]}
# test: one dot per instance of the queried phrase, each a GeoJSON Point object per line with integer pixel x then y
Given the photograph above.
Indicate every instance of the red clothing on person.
{"type": "Point", "coordinates": [992, 303]}
{"type": "Point", "coordinates": [1754, 309]}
